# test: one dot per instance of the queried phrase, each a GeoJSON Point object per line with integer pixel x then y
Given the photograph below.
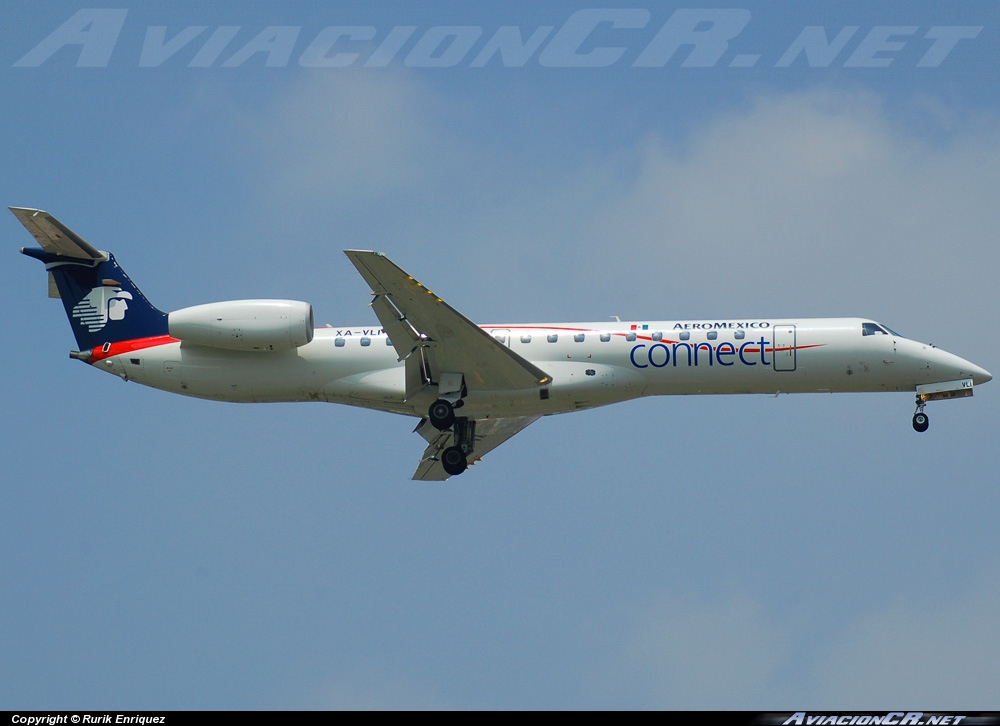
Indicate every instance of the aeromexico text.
{"type": "Point", "coordinates": [754, 325]}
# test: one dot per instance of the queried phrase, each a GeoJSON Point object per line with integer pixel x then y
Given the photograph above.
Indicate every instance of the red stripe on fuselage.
{"type": "Point", "coordinates": [109, 350]}
{"type": "Point", "coordinates": [129, 346]}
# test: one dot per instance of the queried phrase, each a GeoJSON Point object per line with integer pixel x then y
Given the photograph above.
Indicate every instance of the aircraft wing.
{"type": "Point", "coordinates": [490, 433]}
{"type": "Point", "coordinates": [53, 236]}
{"type": "Point", "coordinates": [427, 332]}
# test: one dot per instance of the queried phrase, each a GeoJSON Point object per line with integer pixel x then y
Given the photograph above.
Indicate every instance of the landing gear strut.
{"type": "Point", "coordinates": [441, 414]}
{"type": "Point", "coordinates": [455, 459]}
{"type": "Point", "coordinates": [920, 420]}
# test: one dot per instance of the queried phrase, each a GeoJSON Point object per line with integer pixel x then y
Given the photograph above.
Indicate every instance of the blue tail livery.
{"type": "Point", "coordinates": [103, 305]}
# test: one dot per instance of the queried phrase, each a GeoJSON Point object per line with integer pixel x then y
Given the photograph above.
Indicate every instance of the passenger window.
{"type": "Point", "coordinates": [740, 335]}
{"type": "Point", "coordinates": [366, 342]}
{"type": "Point", "coordinates": [388, 342]}
{"type": "Point", "coordinates": [525, 338]}
{"type": "Point", "coordinates": [605, 337]}
{"type": "Point", "coordinates": [712, 334]}
{"type": "Point", "coordinates": [630, 337]}
{"type": "Point", "coordinates": [578, 337]}
{"type": "Point", "coordinates": [685, 335]}
{"type": "Point", "coordinates": [657, 335]}
{"type": "Point", "coordinates": [339, 342]}
{"type": "Point", "coordinates": [553, 337]}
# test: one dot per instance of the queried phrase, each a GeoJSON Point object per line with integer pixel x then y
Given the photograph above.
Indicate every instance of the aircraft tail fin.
{"type": "Point", "coordinates": [101, 301]}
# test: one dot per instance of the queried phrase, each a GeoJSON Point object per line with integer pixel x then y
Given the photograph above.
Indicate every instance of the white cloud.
{"type": "Point", "coordinates": [814, 196]}
{"type": "Point", "coordinates": [935, 651]}
{"type": "Point", "coordinates": [345, 138]}
{"type": "Point", "coordinates": [689, 653]}
{"type": "Point", "coordinates": [370, 688]}
{"type": "Point", "coordinates": [811, 203]}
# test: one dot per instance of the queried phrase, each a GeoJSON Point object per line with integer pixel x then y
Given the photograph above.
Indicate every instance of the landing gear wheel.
{"type": "Point", "coordinates": [441, 414]}
{"type": "Point", "coordinates": [920, 422]}
{"type": "Point", "coordinates": [453, 460]}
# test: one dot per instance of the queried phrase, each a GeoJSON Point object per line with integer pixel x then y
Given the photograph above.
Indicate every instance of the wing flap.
{"type": "Point", "coordinates": [406, 341]}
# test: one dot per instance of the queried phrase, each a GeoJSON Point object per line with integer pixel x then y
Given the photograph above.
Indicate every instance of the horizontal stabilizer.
{"type": "Point", "coordinates": [53, 236]}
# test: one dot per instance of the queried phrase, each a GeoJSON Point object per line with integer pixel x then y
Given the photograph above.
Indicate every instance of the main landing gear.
{"type": "Point", "coordinates": [441, 414]}
{"type": "Point", "coordinates": [455, 458]}
{"type": "Point", "coordinates": [920, 420]}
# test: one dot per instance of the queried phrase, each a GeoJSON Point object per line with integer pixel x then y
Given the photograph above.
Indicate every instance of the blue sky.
{"type": "Point", "coordinates": [703, 552]}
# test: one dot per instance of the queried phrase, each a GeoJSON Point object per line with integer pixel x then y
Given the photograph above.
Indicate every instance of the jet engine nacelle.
{"type": "Point", "coordinates": [244, 324]}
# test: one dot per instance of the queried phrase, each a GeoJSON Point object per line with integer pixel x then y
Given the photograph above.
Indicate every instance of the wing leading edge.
{"type": "Point", "coordinates": [427, 331]}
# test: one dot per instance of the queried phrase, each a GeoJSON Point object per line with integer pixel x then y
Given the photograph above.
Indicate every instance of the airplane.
{"type": "Point", "coordinates": [471, 387]}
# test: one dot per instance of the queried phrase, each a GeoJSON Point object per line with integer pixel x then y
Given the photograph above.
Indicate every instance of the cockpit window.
{"type": "Point", "coordinates": [872, 329]}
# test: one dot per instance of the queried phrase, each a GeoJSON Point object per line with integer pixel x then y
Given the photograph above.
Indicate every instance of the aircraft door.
{"type": "Point", "coordinates": [784, 348]}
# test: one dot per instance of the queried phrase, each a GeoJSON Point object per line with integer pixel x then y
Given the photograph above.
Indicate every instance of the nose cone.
{"type": "Point", "coordinates": [961, 368]}
{"type": "Point", "coordinates": [951, 365]}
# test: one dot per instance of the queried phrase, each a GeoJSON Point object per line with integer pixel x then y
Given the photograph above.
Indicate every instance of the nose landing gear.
{"type": "Point", "coordinates": [961, 388]}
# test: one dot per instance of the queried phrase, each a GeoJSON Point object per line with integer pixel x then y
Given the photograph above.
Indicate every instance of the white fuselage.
{"type": "Point", "coordinates": [591, 364]}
